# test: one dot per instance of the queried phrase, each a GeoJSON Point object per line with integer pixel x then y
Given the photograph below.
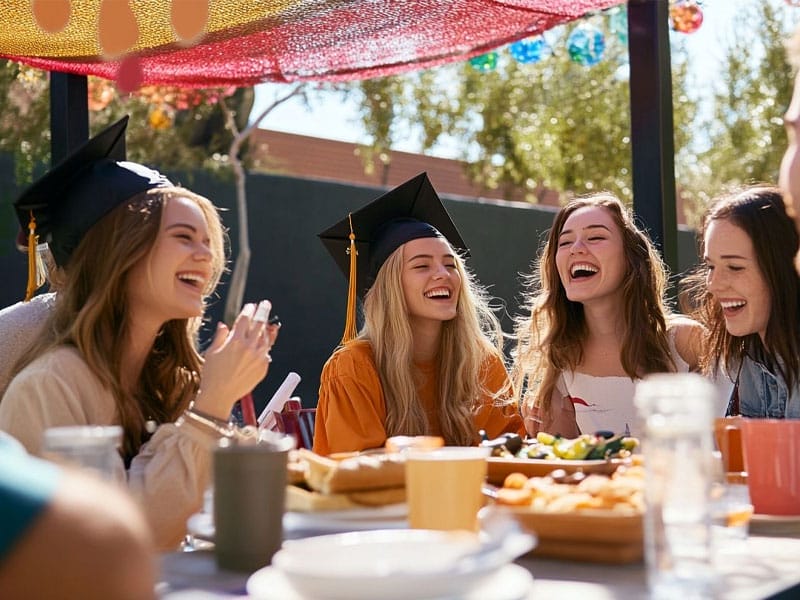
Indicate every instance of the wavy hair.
{"type": "Point", "coordinates": [92, 313]}
{"type": "Point", "coordinates": [467, 341]}
{"type": "Point", "coordinates": [550, 337]}
{"type": "Point", "coordinates": [760, 212]}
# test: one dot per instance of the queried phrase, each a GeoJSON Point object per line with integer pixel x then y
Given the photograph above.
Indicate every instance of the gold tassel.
{"type": "Point", "coordinates": [32, 286]}
{"type": "Point", "coordinates": [350, 331]}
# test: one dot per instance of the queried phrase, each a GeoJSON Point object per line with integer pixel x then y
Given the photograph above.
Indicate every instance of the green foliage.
{"type": "Point", "coordinates": [189, 135]}
{"type": "Point", "coordinates": [746, 138]}
{"type": "Point", "coordinates": [524, 129]}
{"type": "Point", "coordinates": [559, 125]}
{"type": "Point", "coordinates": [24, 117]}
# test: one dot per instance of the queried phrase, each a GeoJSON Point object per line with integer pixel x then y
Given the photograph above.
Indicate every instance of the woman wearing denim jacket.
{"type": "Point", "coordinates": [750, 301]}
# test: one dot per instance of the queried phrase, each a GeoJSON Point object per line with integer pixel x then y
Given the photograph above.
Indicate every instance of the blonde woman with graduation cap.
{"type": "Point", "coordinates": [428, 359]}
{"type": "Point", "coordinates": [140, 256]}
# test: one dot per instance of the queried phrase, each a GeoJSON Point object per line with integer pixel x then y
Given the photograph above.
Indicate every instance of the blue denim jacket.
{"type": "Point", "coordinates": [764, 394]}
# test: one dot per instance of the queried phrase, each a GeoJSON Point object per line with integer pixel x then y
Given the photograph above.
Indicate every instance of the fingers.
{"type": "Point", "coordinates": [220, 335]}
{"type": "Point", "coordinates": [252, 321]}
{"type": "Point", "coordinates": [272, 333]}
{"type": "Point", "coordinates": [262, 311]}
{"type": "Point", "coordinates": [239, 358]}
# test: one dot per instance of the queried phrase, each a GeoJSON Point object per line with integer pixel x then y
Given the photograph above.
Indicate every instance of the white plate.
{"type": "Point", "coordinates": [510, 582]}
{"type": "Point", "coordinates": [393, 516]}
{"type": "Point", "coordinates": [779, 525]}
{"type": "Point", "coordinates": [759, 518]}
{"type": "Point", "coordinates": [387, 564]}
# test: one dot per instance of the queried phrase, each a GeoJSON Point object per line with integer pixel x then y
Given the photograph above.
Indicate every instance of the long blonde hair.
{"type": "Point", "coordinates": [550, 337]}
{"type": "Point", "coordinates": [467, 341]}
{"type": "Point", "coordinates": [92, 313]}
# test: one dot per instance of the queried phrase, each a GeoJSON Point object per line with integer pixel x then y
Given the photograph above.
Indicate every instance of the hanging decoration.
{"type": "Point", "coordinates": [586, 45]}
{"type": "Point", "coordinates": [618, 23]}
{"type": "Point", "coordinates": [530, 50]}
{"type": "Point", "coordinates": [685, 16]}
{"type": "Point", "coordinates": [485, 62]}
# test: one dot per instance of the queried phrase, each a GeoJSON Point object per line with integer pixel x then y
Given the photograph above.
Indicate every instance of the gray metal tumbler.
{"type": "Point", "coordinates": [249, 497]}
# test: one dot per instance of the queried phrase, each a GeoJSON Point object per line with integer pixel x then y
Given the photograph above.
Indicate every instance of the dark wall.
{"type": "Point", "coordinates": [290, 266]}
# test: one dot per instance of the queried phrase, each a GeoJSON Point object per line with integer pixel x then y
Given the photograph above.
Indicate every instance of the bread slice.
{"type": "Point", "coordinates": [363, 472]}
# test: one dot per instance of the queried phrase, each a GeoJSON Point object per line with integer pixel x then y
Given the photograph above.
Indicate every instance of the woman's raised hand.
{"type": "Point", "coordinates": [237, 359]}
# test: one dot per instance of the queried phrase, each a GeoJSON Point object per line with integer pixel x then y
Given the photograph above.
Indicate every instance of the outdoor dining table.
{"type": "Point", "coordinates": [762, 566]}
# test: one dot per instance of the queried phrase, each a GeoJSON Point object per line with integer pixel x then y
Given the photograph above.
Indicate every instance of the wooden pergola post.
{"type": "Point", "coordinates": [69, 114]}
{"type": "Point", "coordinates": [652, 143]}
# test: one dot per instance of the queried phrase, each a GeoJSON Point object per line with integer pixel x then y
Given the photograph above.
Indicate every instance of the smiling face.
{"type": "Point", "coordinates": [590, 258]}
{"type": "Point", "coordinates": [735, 279]}
{"type": "Point", "coordinates": [431, 281]}
{"type": "Point", "coordinates": [174, 279]}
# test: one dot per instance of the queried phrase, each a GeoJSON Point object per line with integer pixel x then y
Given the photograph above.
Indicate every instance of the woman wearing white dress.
{"type": "Point", "coordinates": [596, 323]}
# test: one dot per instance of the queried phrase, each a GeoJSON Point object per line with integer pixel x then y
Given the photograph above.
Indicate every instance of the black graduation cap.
{"type": "Point", "coordinates": [61, 206]}
{"type": "Point", "coordinates": [410, 211]}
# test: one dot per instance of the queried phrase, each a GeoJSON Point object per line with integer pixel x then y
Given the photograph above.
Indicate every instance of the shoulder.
{"type": "Point", "coordinates": [353, 357]}
{"type": "Point", "coordinates": [25, 319]}
{"type": "Point", "coordinates": [61, 364]}
{"type": "Point", "coordinates": [493, 364]}
{"type": "Point", "coordinates": [687, 337]}
{"type": "Point", "coordinates": [37, 307]}
{"type": "Point", "coordinates": [27, 486]}
{"type": "Point", "coordinates": [61, 357]}
{"type": "Point", "coordinates": [494, 375]}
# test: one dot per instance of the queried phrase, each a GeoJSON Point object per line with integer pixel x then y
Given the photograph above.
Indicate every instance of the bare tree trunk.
{"type": "Point", "coordinates": [241, 265]}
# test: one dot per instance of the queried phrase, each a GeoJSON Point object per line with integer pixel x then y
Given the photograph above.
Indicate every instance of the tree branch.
{"type": "Point", "coordinates": [241, 266]}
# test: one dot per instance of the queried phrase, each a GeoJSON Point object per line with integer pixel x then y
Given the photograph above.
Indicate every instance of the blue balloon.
{"type": "Point", "coordinates": [529, 51]}
{"type": "Point", "coordinates": [586, 45]}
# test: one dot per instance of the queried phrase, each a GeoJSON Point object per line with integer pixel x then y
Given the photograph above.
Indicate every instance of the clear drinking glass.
{"type": "Point", "coordinates": [677, 415]}
{"type": "Point", "coordinates": [731, 508]}
{"type": "Point", "coordinates": [91, 447]}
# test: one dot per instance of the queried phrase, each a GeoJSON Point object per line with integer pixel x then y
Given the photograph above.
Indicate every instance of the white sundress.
{"type": "Point", "coordinates": [606, 403]}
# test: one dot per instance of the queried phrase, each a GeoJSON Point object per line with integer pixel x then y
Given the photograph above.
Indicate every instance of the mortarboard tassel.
{"type": "Point", "coordinates": [350, 322]}
{"type": "Point", "coordinates": [33, 279]}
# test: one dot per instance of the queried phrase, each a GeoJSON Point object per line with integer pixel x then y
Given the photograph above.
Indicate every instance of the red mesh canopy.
{"type": "Point", "coordinates": [251, 41]}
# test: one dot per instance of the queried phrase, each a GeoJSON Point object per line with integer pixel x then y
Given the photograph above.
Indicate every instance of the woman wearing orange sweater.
{"type": "Point", "coordinates": [428, 360]}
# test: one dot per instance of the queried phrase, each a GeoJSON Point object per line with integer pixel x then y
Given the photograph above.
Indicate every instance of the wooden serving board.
{"type": "Point", "coordinates": [602, 536]}
{"type": "Point", "coordinates": [499, 468]}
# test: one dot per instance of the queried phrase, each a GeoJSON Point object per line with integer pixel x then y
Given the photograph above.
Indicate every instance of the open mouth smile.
{"type": "Point", "coordinates": [582, 270]}
{"type": "Point", "coordinates": [439, 293]}
{"type": "Point", "coordinates": [194, 280]}
{"type": "Point", "coordinates": [732, 308]}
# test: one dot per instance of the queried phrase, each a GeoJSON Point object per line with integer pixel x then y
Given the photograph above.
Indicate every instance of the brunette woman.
{"type": "Point", "coordinates": [596, 323]}
{"type": "Point", "coordinates": [140, 256]}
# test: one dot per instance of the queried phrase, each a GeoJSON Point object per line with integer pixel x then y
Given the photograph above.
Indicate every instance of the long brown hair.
{"type": "Point", "coordinates": [760, 212]}
{"type": "Point", "coordinates": [92, 313]}
{"type": "Point", "coordinates": [467, 342]}
{"type": "Point", "coordinates": [550, 337]}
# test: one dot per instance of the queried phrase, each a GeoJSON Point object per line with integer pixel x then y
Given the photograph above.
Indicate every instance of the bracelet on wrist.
{"type": "Point", "coordinates": [213, 424]}
{"type": "Point", "coordinates": [217, 427]}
